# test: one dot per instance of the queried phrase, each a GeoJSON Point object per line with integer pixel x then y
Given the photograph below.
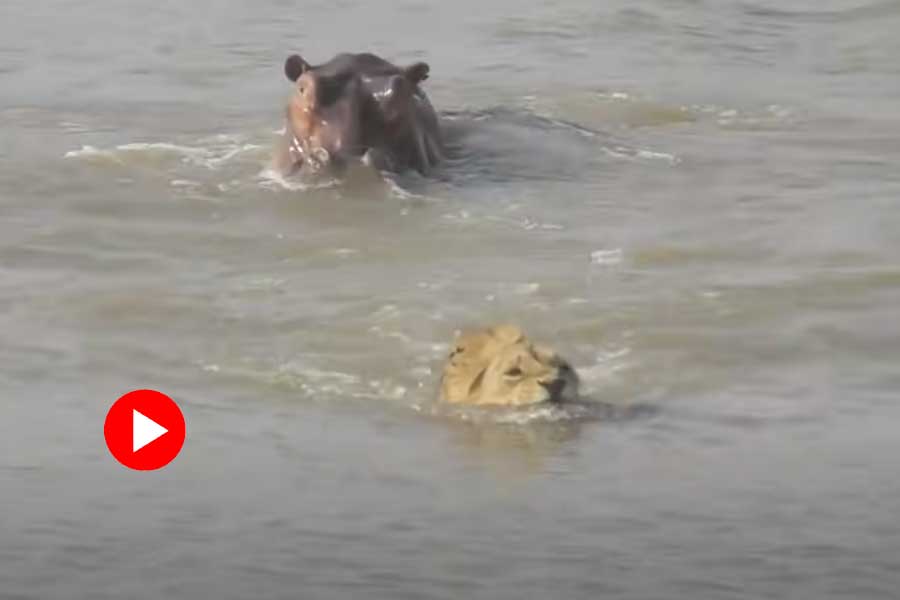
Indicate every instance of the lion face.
{"type": "Point", "coordinates": [500, 366]}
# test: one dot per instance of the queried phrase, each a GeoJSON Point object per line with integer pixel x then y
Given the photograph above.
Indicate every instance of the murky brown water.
{"type": "Point", "coordinates": [697, 202]}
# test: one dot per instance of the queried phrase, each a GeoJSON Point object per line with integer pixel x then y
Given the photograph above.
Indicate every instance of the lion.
{"type": "Point", "coordinates": [500, 366]}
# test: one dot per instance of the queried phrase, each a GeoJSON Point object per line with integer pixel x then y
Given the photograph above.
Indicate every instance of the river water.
{"type": "Point", "coordinates": [696, 202]}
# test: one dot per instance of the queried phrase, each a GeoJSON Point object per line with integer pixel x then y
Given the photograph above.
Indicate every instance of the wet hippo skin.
{"type": "Point", "coordinates": [358, 105]}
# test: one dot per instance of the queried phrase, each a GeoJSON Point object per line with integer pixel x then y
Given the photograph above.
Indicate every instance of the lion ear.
{"type": "Point", "coordinates": [416, 72]}
{"type": "Point", "coordinates": [476, 383]}
{"type": "Point", "coordinates": [295, 66]}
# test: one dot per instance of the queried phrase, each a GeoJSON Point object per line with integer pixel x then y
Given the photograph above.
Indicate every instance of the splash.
{"type": "Point", "coordinates": [271, 179]}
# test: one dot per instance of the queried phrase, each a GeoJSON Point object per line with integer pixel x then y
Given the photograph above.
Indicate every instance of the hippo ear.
{"type": "Point", "coordinates": [295, 66]}
{"type": "Point", "coordinates": [416, 72]}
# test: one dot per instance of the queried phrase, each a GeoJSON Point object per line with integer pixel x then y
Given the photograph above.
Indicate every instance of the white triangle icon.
{"type": "Point", "coordinates": [144, 430]}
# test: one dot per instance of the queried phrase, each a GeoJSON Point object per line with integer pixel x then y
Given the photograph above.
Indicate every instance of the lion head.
{"type": "Point", "coordinates": [500, 366]}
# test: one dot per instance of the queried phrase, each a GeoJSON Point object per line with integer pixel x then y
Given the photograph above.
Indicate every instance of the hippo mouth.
{"type": "Point", "coordinates": [302, 153]}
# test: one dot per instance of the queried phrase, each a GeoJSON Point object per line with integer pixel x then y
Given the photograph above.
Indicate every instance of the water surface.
{"type": "Point", "coordinates": [696, 202]}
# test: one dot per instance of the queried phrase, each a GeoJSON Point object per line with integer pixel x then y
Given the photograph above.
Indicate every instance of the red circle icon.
{"type": "Point", "coordinates": [144, 430]}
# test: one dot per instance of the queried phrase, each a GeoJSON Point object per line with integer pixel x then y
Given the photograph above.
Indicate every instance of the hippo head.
{"type": "Point", "coordinates": [343, 108]}
{"type": "Point", "coordinates": [324, 115]}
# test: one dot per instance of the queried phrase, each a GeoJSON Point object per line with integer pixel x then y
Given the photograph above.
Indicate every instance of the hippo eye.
{"type": "Point", "coordinates": [514, 372]}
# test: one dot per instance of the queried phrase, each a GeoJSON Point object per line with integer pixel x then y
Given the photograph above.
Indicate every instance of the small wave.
{"type": "Point", "coordinates": [357, 175]}
{"type": "Point", "coordinates": [769, 117]}
{"type": "Point", "coordinates": [185, 183]}
{"type": "Point", "coordinates": [605, 108]}
{"type": "Point", "coordinates": [270, 178]}
{"type": "Point", "coordinates": [639, 154]}
{"type": "Point", "coordinates": [209, 157]}
{"type": "Point", "coordinates": [504, 144]}
{"type": "Point", "coordinates": [580, 411]}
{"type": "Point", "coordinates": [526, 223]}
{"type": "Point", "coordinates": [541, 413]}
{"type": "Point", "coordinates": [868, 11]}
{"type": "Point", "coordinates": [90, 152]}
{"type": "Point", "coordinates": [222, 149]}
{"type": "Point", "coordinates": [397, 190]}
{"type": "Point", "coordinates": [308, 381]}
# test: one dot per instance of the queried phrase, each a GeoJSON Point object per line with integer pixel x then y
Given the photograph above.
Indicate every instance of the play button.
{"type": "Point", "coordinates": [144, 430]}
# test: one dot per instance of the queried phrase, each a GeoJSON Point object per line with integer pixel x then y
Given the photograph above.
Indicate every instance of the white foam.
{"type": "Point", "coordinates": [272, 179]}
{"type": "Point", "coordinates": [89, 152]}
{"type": "Point", "coordinates": [399, 191]}
{"type": "Point", "coordinates": [614, 95]}
{"type": "Point", "coordinates": [647, 154]}
{"type": "Point", "coordinates": [635, 154]}
{"type": "Point", "coordinates": [210, 157]}
{"type": "Point", "coordinates": [526, 223]}
{"type": "Point", "coordinates": [184, 183]}
{"type": "Point", "coordinates": [606, 257]}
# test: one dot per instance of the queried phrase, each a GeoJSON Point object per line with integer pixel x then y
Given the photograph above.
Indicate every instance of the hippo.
{"type": "Point", "coordinates": [358, 106]}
